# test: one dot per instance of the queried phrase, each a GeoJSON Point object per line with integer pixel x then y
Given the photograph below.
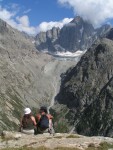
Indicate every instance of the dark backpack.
{"type": "Point", "coordinates": [44, 122]}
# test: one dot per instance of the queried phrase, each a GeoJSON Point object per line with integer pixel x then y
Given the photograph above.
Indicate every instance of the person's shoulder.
{"type": "Point", "coordinates": [49, 116]}
{"type": "Point", "coordinates": [32, 117]}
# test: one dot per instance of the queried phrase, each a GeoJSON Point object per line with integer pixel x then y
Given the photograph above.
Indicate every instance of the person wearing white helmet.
{"type": "Point", "coordinates": [28, 123]}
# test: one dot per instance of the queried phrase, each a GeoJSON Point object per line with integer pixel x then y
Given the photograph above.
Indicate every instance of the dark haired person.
{"type": "Point", "coordinates": [44, 121]}
{"type": "Point", "coordinates": [28, 122]}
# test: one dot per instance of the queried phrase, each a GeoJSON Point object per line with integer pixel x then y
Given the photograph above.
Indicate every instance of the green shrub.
{"type": "Point", "coordinates": [61, 127]}
{"type": "Point", "coordinates": [73, 136]}
{"type": "Point", "coordinates": [102, 146]}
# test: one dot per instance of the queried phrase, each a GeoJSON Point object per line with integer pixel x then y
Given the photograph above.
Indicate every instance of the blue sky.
{"type": "Point", "coordinates": [39, 10]}
{"type": "Point", "coordinates": [33, 16]}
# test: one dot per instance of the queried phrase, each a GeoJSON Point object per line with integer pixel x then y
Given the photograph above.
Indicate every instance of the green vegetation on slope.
{"type": "Point", "coordinates": [102, 146]}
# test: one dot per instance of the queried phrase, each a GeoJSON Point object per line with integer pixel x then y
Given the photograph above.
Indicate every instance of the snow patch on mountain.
{"type": "Point", "coordinates": [69, 54]}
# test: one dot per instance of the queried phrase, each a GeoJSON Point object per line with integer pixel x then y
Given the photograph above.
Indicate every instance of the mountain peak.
{"type": "Point", "coordinates": [77, 19]}
{"type": "Point", "coordinates": [79, 34]}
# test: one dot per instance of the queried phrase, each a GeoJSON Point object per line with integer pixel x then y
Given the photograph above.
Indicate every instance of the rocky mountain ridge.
{"type": "Point", "coordinates": [76, 35]}
{"type": "Point", "coordinates": [86, 91]}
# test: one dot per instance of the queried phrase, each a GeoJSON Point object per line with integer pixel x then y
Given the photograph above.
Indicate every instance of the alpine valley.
{"type": "Point", "coordinates": [36, 71]}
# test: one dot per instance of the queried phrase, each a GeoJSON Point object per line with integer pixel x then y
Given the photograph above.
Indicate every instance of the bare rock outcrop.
{"type": "Point", "coordinates": [78, 34]}
{"type": "Point", "coordinates": [17, 140]}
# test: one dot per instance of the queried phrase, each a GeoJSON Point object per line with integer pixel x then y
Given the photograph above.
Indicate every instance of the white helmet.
{"type": "Point", "coordinates": [27, 111]}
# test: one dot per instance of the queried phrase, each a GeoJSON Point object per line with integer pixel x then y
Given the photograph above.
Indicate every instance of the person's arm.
{"type": "Point", "coordinates": [35, 124]}
{"type": "Point", "coordinates": [34, 121]}
{"type": "Point", "coordinates": [50, 116]}
{"type": "Point", "coordinates": [37, 117]}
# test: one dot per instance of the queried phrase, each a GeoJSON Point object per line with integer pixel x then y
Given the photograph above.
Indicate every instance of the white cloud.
{"type": "Point", "coordinates": [26, 11]}
{"type": "Point", "coordinates": [20, 23]}
{"type": "Point", "coordinates": [44, 26]}
{"type": "Point", "coordinates": [24, 21]}
{"type": "Point", "coordinates": [4, 14]}
{"type": "Point", "coordinates": [23, 24]}
{"type": "Point", "coordinates": [96, 11]}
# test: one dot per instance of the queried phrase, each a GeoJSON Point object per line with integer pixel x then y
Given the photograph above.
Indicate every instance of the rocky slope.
{"type": "Point", "coordinates": [109, 35]}
{"type": "Point", "coordinates": [86, 92]}
{"type": "Point", "coordinates": [27, 77]}
{"type": "Point", "coordinates": [58, 141]}
{"type": "Point", "coordinates": [76, 35]}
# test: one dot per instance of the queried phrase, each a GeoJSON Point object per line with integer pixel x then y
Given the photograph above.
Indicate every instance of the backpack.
{"type": "Point", "coordinates": [44, 122]}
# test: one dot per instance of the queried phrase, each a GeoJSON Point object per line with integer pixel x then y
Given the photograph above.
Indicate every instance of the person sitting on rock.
{"type": "Point", "coordinates": [44, 121]}
{"type": "Point", "coordinates": [28, 122]}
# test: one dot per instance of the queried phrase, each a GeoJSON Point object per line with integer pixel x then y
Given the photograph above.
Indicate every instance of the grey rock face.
{"type": "Point", "coordinates": [87, 89]}
{"type": "Point", "coordinates": [27, 78]}
{"type": "Point", "coordinates": [109, 35]}
{"type": "Point", "coordinates": [46, 40]}
{"type": "Point", "coordinates": [76, 35]}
